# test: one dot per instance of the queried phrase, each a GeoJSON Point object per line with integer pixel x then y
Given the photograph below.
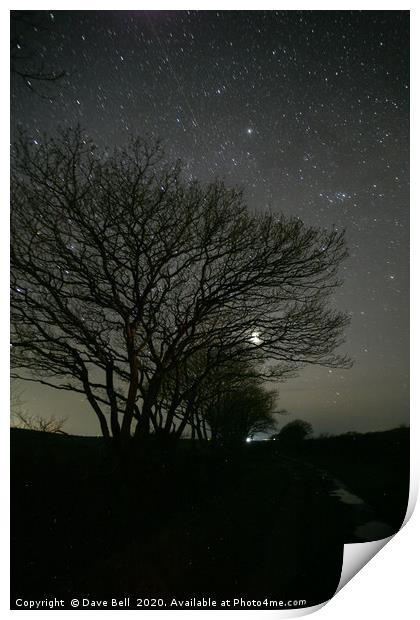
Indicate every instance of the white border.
{"type": "Point", "coordinates": [388, 585]}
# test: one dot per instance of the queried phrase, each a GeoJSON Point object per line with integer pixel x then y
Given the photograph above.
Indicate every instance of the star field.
{"type": "Point", "coordinates": [308, 111]}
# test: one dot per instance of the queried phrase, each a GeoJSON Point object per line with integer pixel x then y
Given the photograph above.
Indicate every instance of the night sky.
{"type": "Point", "coordinates": [308, 111]}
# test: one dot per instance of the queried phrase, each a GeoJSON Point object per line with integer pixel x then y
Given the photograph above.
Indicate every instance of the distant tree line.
{"type": "Point", "coordinates": [294, 432]}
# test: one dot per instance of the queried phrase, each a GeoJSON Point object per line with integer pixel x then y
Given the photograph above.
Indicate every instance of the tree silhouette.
{"type": "Point", "coordinates": [196, 386]}
{"type": "Point", "coordinates": [295, 432]}
{"type": "Point", "coordinates": [240, 413]}
{"type": "Point", "coordinates": [39, 423]}
{"type": "Point", "coordinates": [123, 273]}
{"type": "Point", "coordinates": [21, 418]}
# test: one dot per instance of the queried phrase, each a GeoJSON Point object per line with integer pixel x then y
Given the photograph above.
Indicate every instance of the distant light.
{"type": "Point", "coordinates": [249, 131]}
{"type": "Point", "coordinates": [248, 439]}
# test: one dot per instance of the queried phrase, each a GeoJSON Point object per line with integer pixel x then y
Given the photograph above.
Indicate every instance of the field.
{"type": "Point", "coordinates": [258, 520]}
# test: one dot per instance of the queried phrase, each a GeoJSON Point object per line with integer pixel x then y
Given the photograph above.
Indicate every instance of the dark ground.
{"type": "Point", "coordinates": [257, 521]}
{"type": "Point", "coordinates": [375, 466]}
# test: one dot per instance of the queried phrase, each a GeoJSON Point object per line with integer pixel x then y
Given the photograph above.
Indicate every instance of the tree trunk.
{"type": "Point", "coordinates": [94, 404]}
{"type": "Point", "coordinates": [134, 383]}
{"type": "Point", "coordinates": [142, 430]}
{"type": "Point", "coordinates": [183, 424]}
{"type": "Point", "coordinates": [115, 425]}
{"type": "Point", "coordinates": [150, 400]}
{"type": "Point", "coordinates": [198, 428]}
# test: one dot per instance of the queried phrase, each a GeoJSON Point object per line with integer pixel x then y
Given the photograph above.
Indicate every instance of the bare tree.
{"type": "Point", "coordinates": [218, 397]}
{"type": "Point", "coordinates": [39, 423]}
{"type": "Point", "coordinates": [241, 411]}
{"type": "Point", "coordinates": [123, 272]}
{"type": "Point", "coordinates": [21, 418]}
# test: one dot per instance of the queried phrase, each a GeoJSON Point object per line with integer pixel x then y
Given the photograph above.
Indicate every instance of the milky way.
{"type": "Point", "coordinates": [307, 111]}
